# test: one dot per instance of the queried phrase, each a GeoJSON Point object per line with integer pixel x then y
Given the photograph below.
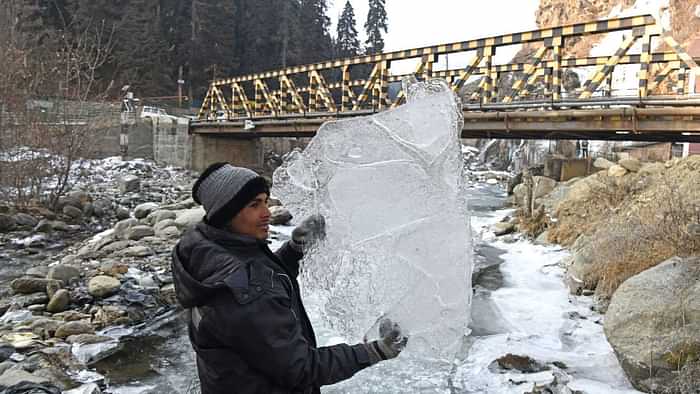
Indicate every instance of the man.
{"type": "Point", "coordinates": [247, 322]}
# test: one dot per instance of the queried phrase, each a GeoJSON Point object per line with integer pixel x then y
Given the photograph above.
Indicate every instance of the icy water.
{"type": "Point", "coordinates": [520, 306]}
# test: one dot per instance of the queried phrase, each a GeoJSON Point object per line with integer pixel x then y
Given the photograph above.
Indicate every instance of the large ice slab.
{"type": "Point", "coordinates": [398, 240]}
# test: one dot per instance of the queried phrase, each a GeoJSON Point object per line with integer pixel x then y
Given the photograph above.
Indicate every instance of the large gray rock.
{"type": "Point", "coordinates": [7, 222]}
{"type": "Point", "coordinates": [542, 186]}
{"type": "Point", "coordinates": [653, 322]}
{"type": "Point", "coordinates": [631, 164]}
{"type": "Point", "coordinates": [129, 183]}
{"type": "Point", "coordinates": [59, 301]}
{"type": "Point", "coordinates": [25, 220]}
{"type": "Point", "coordinates": [143, 210]}
{"type": "Point", "coordinates": [102, 286]}
{"type": "Point", "coordinates": [12, 377]}
{"type": "Point", "coordinates": [617, 171]}
{"type": "Point", "coordinates": [72, 212]}
{"type": "Point", "coordinates": [163, 224]}
{"type": "Point", "coordinates": [189, 217]}
{"type": "Point", "coordinates": [603, 163]}
{"type": "Point", "coordinates": [169, 232]}
{"type": "Point", "coordinates": [63, 272]}
{"type": "Point", "coordinates": [652, 168]}
{"type": "Point", "coordinates": [137, 232]}
{"type": "Point", "coordinates": [279, 215]}
{"type": "Point", "coordinates": [29, 285]}
{"type": "Point", "coordinates": [122, 226]}
{"type": "Point", "coordinates": [159, 216]}
{"type": "Point", "coordinates": [74, 328]}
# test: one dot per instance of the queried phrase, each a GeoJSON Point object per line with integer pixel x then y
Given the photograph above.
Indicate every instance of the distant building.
{"type": "Point", "coordinates": [653, 151]}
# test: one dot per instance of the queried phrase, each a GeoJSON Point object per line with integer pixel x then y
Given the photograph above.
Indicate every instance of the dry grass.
{"type": "Point", "coordinates": [642, 236]}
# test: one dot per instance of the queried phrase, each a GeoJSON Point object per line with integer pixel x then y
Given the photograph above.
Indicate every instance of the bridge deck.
{"type": "Point", "coordinates": [677, 124]}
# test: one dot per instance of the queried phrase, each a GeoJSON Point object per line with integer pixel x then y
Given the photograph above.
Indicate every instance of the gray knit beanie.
{"type": "Point", "coordinates": [223, 190]}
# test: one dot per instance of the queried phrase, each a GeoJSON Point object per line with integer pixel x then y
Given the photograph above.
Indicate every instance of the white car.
{"type": "Point", "coordinates": [149, 111]}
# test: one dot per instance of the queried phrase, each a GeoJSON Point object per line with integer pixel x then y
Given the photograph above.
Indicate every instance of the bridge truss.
{"type": "Point", "coordinates": [327, 89]}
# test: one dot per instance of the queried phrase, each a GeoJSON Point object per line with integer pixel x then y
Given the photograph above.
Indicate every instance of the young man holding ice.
{"type": "Point", "coordinates": [247, 322]}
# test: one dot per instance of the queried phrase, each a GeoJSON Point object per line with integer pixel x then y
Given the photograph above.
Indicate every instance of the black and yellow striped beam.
{"type": "Point", "coordinates": [372, 93]}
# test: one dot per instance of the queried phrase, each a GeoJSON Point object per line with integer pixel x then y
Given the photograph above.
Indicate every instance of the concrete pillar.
{"type": "Point", "coordinates": [211, 148]}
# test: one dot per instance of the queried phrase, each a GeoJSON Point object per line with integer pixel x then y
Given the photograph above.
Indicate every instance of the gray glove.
{"type": "Point", "coordinates": [390, 343]}
{"type": "Point", "coordinates": [310, 230]}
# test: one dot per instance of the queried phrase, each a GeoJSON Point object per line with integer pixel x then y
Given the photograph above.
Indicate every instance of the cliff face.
{"type": "Point", "coordinates": [681, 17]}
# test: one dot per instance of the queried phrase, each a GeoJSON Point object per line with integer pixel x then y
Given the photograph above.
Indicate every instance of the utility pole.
{"type": "Point", "coordinates": [180, 82]}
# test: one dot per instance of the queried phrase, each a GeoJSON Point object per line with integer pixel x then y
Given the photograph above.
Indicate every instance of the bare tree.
{"type": "Point", "coordinates": [51, 110]}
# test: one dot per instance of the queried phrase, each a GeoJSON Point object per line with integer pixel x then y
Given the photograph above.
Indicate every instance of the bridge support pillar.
{"type": "Point", "coordinates": [208, 149]}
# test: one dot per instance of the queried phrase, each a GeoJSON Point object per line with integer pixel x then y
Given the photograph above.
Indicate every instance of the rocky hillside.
{"type": "Point", "coordinates": [681, 17]}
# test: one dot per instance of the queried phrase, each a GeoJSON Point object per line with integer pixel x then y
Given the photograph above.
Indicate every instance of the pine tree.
{"type": "Point", "coordinates": [376, 22]}
{"type": "Point", "coordinates": [347, 43]}
{"type": "Point", "coordinates": [316, 43]}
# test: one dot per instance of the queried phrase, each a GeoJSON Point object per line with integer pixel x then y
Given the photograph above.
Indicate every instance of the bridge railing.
{"type": "Point", "coordinates": [330, 88]}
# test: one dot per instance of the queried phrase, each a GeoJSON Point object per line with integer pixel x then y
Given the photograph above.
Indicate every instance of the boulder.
{"type": "Point", "coordinates": [168, 232]}
{"type": "Point", "coordinates": [279, 215]}
{"type": "Point", "coordinates": [159, 216]}
{"type": "Point", "coordinates": [27, 285]}
{"type": "Point", "coordinates": [52, 287]}
{"type": "Point", "coordinates": [45, 328]}
{"type": "Point", "coordinates": [653, 322]}
{"type": "Point", "coordinates": [13, 376]}
{"type": "Point", "coordinates": [602, 163]}
{"type": "Point", "coordinates": [44, 226]}
{"type": "Point", "coordinates": [81, 196]}
{"type": "Point", "coordinates": [520, 193]}
{"type": "Point", "coordinates": [102, 286]}
{"type": "Point", "coordinates": [7, 222]}
{"type": "Point", "coordinates": [64, 273]}
{"type": "Point", "coordinates": [59, 301]}
{"type": "Point", "coordinates": [503, 228]}
{"type": "Point", "coordinates": [631, 164]}
{"type": "Point", "coordinates": [25, 220]}
{"type": "Point", "coordinates": [115, 247]}
{"type": "Point", "coordinates": [163, 224]}
{"type": "Point", "coordinates": [138, 251]}
{"type": "Point", "coordinates": [26, 300]}
{"type": "Point", "coordinates": [89, 210]}
{"type": "Point", "coordinates": [72, 212]}
{"type": "Point", "coordinates": [72, 201]}
{"type": "Point", "coordinates": [652, 169]}
{"type": "Point", "coordinates": [122, 213]}
{"type": "Point", "coordinates": [273, 202]}
{"type": "Point", "coordinates": [189, 217]}
{"type": "Point", "coordinates": [114, 269]}
{"type": "Point", "coordinates": [39, 271]}
{"type": "Point", "coordinates": [74, 328]}
{"type": "Point", "coordinates": [129, 183]}
{"type": "Point", "coordinates": [137, 232]}
{"type": "Point", "coordinates": [143, 210]}
{"type": "Point", "coordinates": [617, 171]}
{"type": "Point", "coordinates": [122, 226]}
{"type": "Point", "coordinates": [542, 186]}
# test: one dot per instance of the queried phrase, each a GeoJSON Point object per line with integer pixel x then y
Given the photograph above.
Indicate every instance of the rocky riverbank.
{"type": "Point", "coordinates": [83, 280]}
{"type": "Point", "coordinates": [633, 232]}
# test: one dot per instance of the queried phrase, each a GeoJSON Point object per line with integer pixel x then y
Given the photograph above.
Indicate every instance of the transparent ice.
{"type": "Point", "coordinates": [398, 239]}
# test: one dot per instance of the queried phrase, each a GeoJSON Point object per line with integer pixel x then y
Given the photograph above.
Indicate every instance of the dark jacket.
{"type": "Point", "coordinates": [248, 325]}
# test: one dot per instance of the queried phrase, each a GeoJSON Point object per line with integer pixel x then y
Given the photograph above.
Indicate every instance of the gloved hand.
{"type": "Point", "coordinates": [310, 230]}
{"type": "Point", "coordinates": [390, 343]}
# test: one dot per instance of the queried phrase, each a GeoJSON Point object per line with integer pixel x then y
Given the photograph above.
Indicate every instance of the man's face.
{"type": "Point", "coordinates": [253, 219]}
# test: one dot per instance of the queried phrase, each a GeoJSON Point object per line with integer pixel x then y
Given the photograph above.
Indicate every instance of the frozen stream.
{"type": "Point", "coordinates": [520, 306]}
